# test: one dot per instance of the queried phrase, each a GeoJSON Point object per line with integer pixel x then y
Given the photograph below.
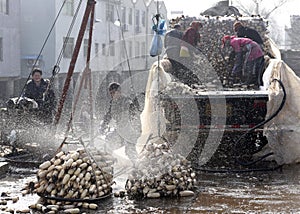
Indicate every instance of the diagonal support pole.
{"type": "Point", "coordinates": [89, 7]}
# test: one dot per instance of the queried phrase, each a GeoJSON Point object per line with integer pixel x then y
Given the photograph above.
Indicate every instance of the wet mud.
{"type": "Point", "coordinates": [258, 192]}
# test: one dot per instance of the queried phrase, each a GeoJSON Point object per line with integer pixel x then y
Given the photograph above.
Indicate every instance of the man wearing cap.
{"type": "Point", "coordinates": [172, 43]}
{"type": "Point", "coordinates": [247, 32]}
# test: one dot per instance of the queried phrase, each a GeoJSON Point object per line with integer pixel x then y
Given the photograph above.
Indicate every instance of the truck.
{"type": "Point", "coordinates": [223, 121]}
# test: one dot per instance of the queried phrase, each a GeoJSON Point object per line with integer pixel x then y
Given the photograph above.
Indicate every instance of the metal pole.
{"type": "Point", "coordinates": [62, 100]}
{"type": "Point", "coordinates": [89, 74]}
{"type": "Point", "coordinates": [86, 78]}
{"type": "Point", "coordinates": [158, 68]}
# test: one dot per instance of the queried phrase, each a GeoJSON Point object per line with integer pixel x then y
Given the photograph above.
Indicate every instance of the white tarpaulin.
{"type": "Point", "coordinates": [283, 132]}
{"type": "Point", "coordinates": [152, 119]}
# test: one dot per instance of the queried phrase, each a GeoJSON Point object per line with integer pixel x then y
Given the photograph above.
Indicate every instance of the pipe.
{"type": "Point", "coordinates": [259, 125]}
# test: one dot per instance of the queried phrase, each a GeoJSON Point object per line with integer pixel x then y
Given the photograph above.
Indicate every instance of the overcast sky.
{"type": "Point", "coordinates": [189, 7]}
{"type": "Point", "coordinates": [195, 7]}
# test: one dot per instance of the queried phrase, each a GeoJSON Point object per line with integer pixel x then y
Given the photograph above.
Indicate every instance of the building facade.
{"type": "Point", "coordinates": [121, 38]}
{"type": "Point", "coordinates": [292, 41]}
{"type": "Point", "coordinates": [10, 70]}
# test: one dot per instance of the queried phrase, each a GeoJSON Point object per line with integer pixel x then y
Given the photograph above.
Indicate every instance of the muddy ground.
{"type": "Point", "coordinates": [257, 192]}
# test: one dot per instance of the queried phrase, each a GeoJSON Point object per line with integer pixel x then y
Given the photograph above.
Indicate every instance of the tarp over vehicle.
{"type": "Point", "coordinates": [283, 132]}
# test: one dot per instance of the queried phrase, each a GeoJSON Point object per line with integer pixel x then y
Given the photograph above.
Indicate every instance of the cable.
{"type": "Point", "coordinates": [56, 68]}
{"type": "Point", "coordinates": [237, 170]}
{"type": "Point", "coordinates": [135, 100]}
{"type": "Point", "coordinates": [43, 46]}
{"type": "Point", "coordinates": [68, 34]}
{"type": "Point", "coordinates": [259, 125]}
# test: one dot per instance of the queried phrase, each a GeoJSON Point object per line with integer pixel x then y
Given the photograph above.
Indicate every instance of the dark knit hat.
{"type": "Point", "coordinates": [37, 70]}
{"type": "Point", "coordinates": [114, 86]}
{"type": "Point", "coordinates": [176, 26]}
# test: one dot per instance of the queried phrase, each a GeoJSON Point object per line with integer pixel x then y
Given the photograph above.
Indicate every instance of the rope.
{"type": "Point", "coordinates": [56, 67]}
{"type": "Point", "coordinates": [93, 171]}
{"type": "Point", "coordinates": [43, 46]}
{"type": "Point", "coordinates": [92, 158]}
{"type": "Point", "coordinates": [133, 91]}
{"type": "Point", "coordinates": [68, 34]}
{"type": "Point", "coordinates": [73, 60]}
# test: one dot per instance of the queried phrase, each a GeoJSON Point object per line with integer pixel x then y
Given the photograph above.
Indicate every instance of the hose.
{"type": "Point", "coordinates": [238, 170]}
{"type": "Point", "coordinates": [259, 125]}
{"type": "Point", "coordinates": [241, 137]}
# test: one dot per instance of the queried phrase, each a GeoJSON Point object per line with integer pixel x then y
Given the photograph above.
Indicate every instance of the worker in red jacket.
{"type": "Point", "coordinates": [192, 36]}
{"type": "Point", "coordinates": [251, 64]}
{"type": "Point", "coordinates": [185, 68]}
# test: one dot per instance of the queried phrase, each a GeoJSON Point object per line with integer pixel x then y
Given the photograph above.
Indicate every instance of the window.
{"type": "Point", "coordinates": [123, 12]}
{"type": "Point", "coordinates": [111, 48]}
{"type": "Point", "coordinates": [69, 8]}
{"type": "Point", "coordinates": [4, 6]}
{"type": "Point", "coordinates": [137, 49]}
{"type": "Point", "coordinates": [144, 18]}
{"type": "Point", "coordinates": [137, 21]}
{"type": "Point", "coordinates": [85, 47]}
{"type": "Point", "coordinates": [123, 51]}
{"type": "Point", "coordinates": [137, 17]}
{"type": "Point", "coordinates": [1, 49]}
{"type": "Point", "coordinates": [96, 49]}
{"type": "Point", "coordinates": [130, 16]}
{"type": "Point", "coordinates": [130, 49]}
{"type": "Point", "coordinates": [110, 12]}
{"type": "Point", "coordinates": [143, 49]}
{"type": "Point", "coordinates": [69, 47]}
{"type": "Point", "coordinates": [103, 49]}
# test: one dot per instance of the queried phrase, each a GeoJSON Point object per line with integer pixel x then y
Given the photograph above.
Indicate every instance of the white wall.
{"type": "Point", "coordinates": [10, 32]}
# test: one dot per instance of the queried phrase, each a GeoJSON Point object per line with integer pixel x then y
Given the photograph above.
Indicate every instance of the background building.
{"type": "Point", "coordinates": [122, 36]}
{"type": "Point", "coordinates": [9, 47]}
{"type": "Point", "coordinates": [291, 52]}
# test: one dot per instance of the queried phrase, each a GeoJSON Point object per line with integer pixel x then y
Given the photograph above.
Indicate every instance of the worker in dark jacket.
{"type": "Point", "coordinates": [39, 89]}
{"type": "Point", "coordinates": [247, 32]}
{"type": "Point", "coordinates": [121, 109]}
{"type": "Point", "coordinates": [172, 43]}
